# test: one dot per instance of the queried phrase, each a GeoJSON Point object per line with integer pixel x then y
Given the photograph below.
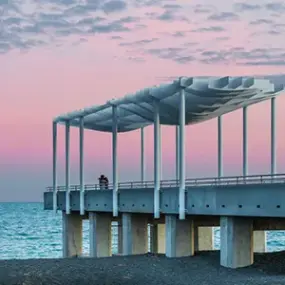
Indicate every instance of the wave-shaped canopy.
{"type": "Point", "coordinates": [206, 98]}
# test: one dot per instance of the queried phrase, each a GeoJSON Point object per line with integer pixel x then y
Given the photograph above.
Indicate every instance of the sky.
{"type": "Point", "coordinates": [61, 55]}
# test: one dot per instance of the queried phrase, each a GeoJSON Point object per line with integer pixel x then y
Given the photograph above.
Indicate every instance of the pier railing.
{"type": "Point", "coordinates": [190, 182]}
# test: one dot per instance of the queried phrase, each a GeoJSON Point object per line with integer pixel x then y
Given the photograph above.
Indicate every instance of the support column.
{"type": "Point", "coordinates": [273, 135]}
{"type": "Point", "coordinates": [203, 238]}
{"type": "Point", "coordinates": [182, 166]}
{"type": "Point", "coordinates": [67, 167]}
{"type": "Point", "coordinates": [142, 157]}
{"type": "Point", "coordinates": [177, 154]}
{"type": "Point", "coordinates": [179, 236]}
{"type": "Point", "coordinates": [236, 242]}
{"type": "Point", "coordinates": [54, 166]}
{"type": "Point", "coordinates": [157, 171]}
{"type": "Point", "coordinates": [81, 165]}
{"type": "Point", "coordinates": [135, 233]}
{"type": "Point", "coordinates": [100, 230]}
{"type": "Point", "coordinates": [158, 239]}
{"type": "Point", "coordinates": [259, 237]}
{"type": "Point", "coordinates": [220, 147]}
{"type": "Point", "coordinates": [120, 237]}
{"type": "Point", "coordinates": [71, 234]}
{"type": "Point", "coordinates": [115, 160]}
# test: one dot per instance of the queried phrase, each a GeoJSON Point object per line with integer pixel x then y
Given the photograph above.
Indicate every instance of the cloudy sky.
{"type": "Point", "coordinates": [61, 55]}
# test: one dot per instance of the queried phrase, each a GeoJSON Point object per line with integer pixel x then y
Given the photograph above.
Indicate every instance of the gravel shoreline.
{"type": "Point", "coordinates": [203, 269]}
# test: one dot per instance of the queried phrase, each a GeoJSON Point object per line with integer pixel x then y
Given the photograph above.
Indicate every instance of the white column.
{"type": "Point", "coordinates": [244, 143]}
{"type": "Point", "coordinates": [157, 147]}
{"type": "Point", "coordinates": [273, 135]}
{"type": "Point", "coordinates": [182, 171]}
{"type": "Point", "coordinates": [177, 153]}
{"type": "Point", "coordinates": [220, 147]}
{"type": "Point", "coordinates": [81, 165]}
{"type": "Point", "coordinates": [67, 167]}
{"type": "Point", "coordinates": [115, 161]}
{"type": "Point", "coordinates": [142, 156]}
{"type": "Point", "coordinates": [54, 166]}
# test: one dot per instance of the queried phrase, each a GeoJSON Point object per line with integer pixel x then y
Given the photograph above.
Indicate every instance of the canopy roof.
{"type": "Point", "coordinates": [206, 98]}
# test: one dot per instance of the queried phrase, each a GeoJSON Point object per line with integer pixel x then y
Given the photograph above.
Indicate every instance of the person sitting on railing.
{"type": "Point", "coordinates": [102, 181]}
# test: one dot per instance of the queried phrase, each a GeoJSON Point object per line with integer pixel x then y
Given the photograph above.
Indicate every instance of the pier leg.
{"type": "Point", "coordinates": [135, 233]}
{"type": "Point", "coordinates": [259, 241]}
{"type": "Point", "coordinates": [100, 234]}
{"type": "Point", "coordinates": [71, 234]}
{"type": "Point", "coordinates": [179, 236]}
{"type": "Point", "coordinates": [158, 239]}
{"type": "Point", "coordinates": [236, 242]}
{"type": "Point", "coordinates": [203, 238]}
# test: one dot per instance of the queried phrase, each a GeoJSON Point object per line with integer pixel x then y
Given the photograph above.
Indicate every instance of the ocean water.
{"type": "Point", "coordinates": [27, 231]}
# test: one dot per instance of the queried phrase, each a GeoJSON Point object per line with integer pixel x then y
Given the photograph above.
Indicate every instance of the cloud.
{"type": "Point", "coordinates": [139, 43]}
{"type": "Point", "coordinates": [209, 29]}
{"type": "Point", "coordinates": [261, 22]}
{"type": "Point", "coordinates": [114, 6]}
{"type": "Point", "coordinates": [242, 6]}
{"type": "Point", "coordinates": [224, 16]}
{"type": "Point", "coordinates": [203, 9]}
{"type": "Point", "coordinates": [276, 6]}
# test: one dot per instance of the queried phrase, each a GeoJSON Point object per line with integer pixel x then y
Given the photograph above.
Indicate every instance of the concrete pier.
{"type": "Point", "coordinates": [72, 234]}
{"type": "Point", "coordinates": [204, 238]}
{"type": "Point", "coordinates": [179, 236]}
{"type": "Point", "coordinates": [157, 238]}
{"type": "Point", "coordinates": [259, 241]}
{"type": "Point", "coordinates": [236, 242]}
{"type": "Point", "coordinates": [100, 234]}
{"type": "Point", "coordinates": [135, 233]}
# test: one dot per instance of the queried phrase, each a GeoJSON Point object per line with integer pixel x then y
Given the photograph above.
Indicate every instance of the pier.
{"type": "Point", "coordinates": [179, 213]}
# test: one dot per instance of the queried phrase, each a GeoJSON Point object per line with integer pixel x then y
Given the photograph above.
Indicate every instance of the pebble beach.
{"type": "Point", "coordinates": [203, 269]}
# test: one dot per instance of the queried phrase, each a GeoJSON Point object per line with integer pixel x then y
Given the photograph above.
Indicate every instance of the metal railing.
{"type": "Point", "coordinates": [190, 182]}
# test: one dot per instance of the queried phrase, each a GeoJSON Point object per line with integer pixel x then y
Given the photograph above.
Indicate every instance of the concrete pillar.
{"type": "Point", "coordinates": [259, 241]}
{"type": "Point", "coordinates": [236, 242]}
{"type": "Point", "coordinates": [71, 234]}
{"type": "Point", "coordinates": [179, 236]}
{"type": "Point", "coordinates": [135, 233]}
{"type": "Point", "coordinates": [204, 239]}
{"type": "Point", "coordinates": [157, 239]}
{"type": "Point", "coordinates": [100, 231]}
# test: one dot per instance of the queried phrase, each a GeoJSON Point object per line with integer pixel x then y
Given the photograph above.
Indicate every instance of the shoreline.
{"type": "Point", "coordinates": [149, 269]}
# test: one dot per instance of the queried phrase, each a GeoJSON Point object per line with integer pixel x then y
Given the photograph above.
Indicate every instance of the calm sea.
{"type": "Point", "coordinates": [27, 231]}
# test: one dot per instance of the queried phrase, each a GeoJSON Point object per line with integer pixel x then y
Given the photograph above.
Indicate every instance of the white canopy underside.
{"type": "Point", "coordinates": [205, 98]}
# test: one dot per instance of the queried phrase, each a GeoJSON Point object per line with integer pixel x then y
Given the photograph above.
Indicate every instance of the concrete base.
{"type": "Point", "coordinates": [135, 233]}
{"type": "Point", "coordinates": [72, 234]}
{"type": "Point", "coordinates": [259, 241]}
{"type": "Point", "coordinates": [204, 238]}
{"type": "Point", "coordinates": [157, 239]}
{"type": "Point", "coordinates": [179, 236]}
{"type": "Point", "coordinates": [100, 234]}
{"type": "Point", "coordinates": [236, 242]}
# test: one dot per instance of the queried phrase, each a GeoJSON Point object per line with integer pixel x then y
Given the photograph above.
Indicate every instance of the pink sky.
{"type": "Point", "coordinates": [41, 81]}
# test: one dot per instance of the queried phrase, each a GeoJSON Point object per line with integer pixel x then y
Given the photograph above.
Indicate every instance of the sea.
{"type": "Point", "coordinates": [28, 232]}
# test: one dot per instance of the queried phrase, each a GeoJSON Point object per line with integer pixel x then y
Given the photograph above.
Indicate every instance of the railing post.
{"type": "Point", "coordinates": [54, 166]}
{"type": "Point", "coordinates": [115, 160]}
{"type": "Point", "coordinates": [81, 165]}
{"type": "Point", "coordinates": [182, 166]}
{"type": "Point", "coordinates": [67, 166]}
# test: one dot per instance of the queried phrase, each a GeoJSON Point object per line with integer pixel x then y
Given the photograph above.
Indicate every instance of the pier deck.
{"type": "Point", "coordinates": [254, 195]}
